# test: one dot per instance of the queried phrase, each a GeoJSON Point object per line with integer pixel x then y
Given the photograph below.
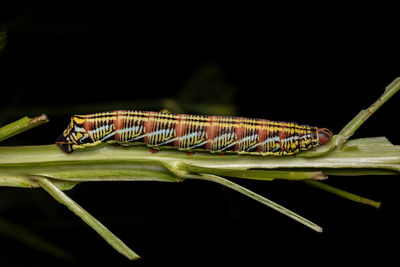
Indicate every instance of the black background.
{"type": "Point", "coordinates": [315, 68]}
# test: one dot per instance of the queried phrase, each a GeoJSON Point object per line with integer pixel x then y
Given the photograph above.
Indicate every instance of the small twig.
{"type": "Point", "coordinates": [21, 125]}
{"type": "Point", "coordinates": [340, 139]}
{"type": "Point", "coordinates": [364, 115]}
{"type": "Point", "coordinates": [114, 241]}
{"type": "Point", "coordinates": [255, 196]}
{"type": "Point", "coordinates": [344, 194]}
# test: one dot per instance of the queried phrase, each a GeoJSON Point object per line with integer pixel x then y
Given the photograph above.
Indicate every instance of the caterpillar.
{"type": "Point", "coordinates": [191, 132]}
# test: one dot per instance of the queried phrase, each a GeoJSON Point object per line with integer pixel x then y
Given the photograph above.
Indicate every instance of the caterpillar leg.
{"type": "Point", "coordinates": [166, 111]}
{"type": "Point", "coordinates": [153, 150]}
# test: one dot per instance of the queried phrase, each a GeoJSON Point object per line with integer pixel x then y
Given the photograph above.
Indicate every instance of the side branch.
{"type": "Point", "coordinates": [58, 195]}
{"type": "Point", "coordinates": [257, 197]}
{"type": "Point", "coordinates": [338, 140]}
{"type": "Point", "coordinates": [21, 125]}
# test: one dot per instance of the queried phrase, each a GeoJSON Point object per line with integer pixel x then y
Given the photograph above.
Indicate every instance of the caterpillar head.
{"type": "Point", "coordinates": [75, 136]}
{"type": "Point", "coordinates": [318, 136]}
{"type": "Point", "coordinates": [324, 135]}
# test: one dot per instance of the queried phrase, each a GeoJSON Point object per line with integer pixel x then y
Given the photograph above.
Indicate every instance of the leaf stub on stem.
{"type": "Point", "coordinates": [39, 119]}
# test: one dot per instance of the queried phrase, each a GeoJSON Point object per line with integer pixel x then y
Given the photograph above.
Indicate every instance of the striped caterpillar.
{"type": "Point", "coordinates": [191, 132]}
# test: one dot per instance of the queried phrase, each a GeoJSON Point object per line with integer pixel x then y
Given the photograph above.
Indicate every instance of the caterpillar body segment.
{"type": "Point", "coordinates": [191, 132]}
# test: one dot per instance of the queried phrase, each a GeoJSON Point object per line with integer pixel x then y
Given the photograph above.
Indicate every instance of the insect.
{"type": "Point", "coordinates": [191, 132]}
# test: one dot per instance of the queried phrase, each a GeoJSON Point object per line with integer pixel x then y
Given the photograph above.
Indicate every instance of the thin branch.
{"type": "Point", "coordinates": [111, 239]}
{"type": "Point", "coordinates": [257, 197]}
{"type": "Point", "coordinates": [363, 116]}
{"type": "Point", "coordinates": [340, 139]}
{"type": "Point", "coordinates": [344, 194]}
{"type": "Point", "coordinates": [21, 125]}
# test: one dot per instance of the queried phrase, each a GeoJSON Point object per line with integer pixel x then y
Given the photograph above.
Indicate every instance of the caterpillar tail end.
{"type": "Point", "coordinates": [64, 145]}
{"type": "Point", "coordinates": [324, 135]}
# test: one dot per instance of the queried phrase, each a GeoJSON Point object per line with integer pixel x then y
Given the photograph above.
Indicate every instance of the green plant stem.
{"type": "Point", "coordinates": [344, 194]}
{"type": "Point", "coordinates": [21, 125]}
{"type": "Point", "coordinates": [58, 195]}
{"type": "Point", "coordinates": [113, 163]}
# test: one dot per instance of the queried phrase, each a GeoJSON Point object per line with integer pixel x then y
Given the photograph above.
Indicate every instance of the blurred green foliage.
{"type": "Point", "coordinates": [3, 41]}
